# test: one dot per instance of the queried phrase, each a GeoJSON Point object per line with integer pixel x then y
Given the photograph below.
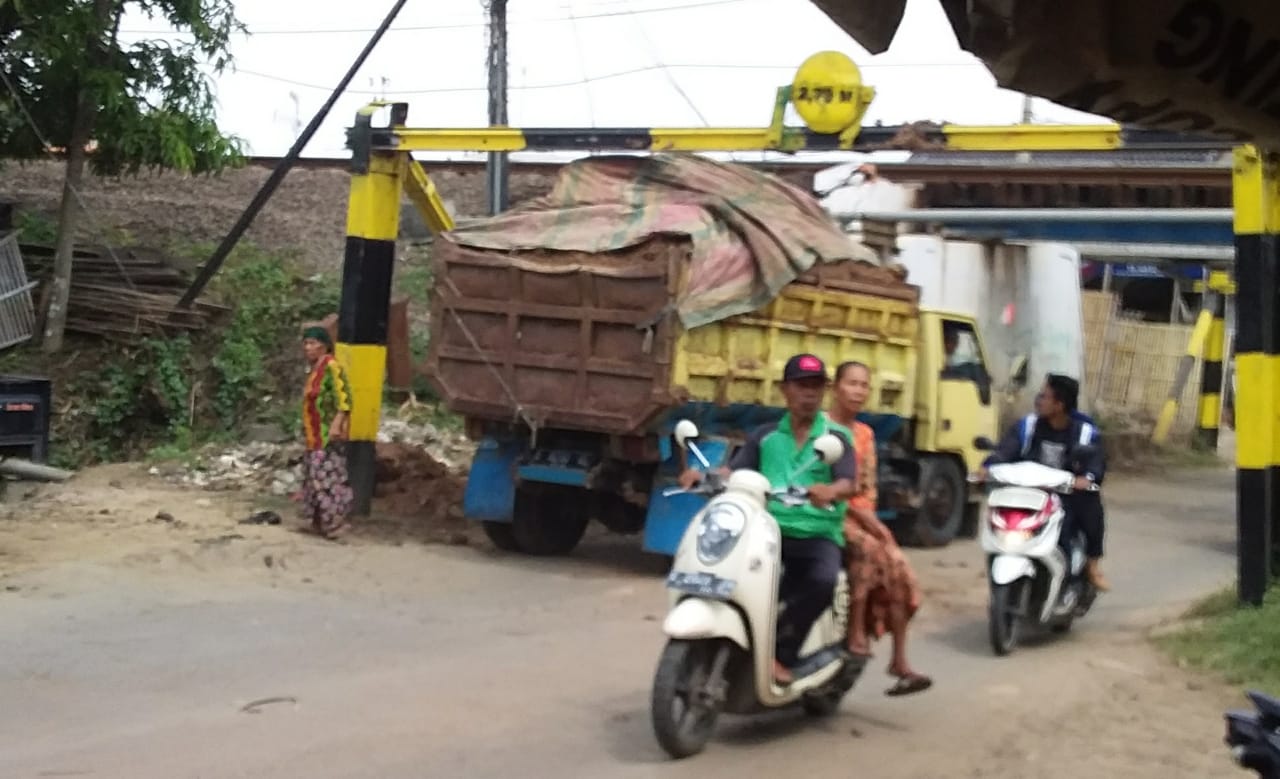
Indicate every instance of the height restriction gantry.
{"type": "Point", "coordinates": [829, 96]}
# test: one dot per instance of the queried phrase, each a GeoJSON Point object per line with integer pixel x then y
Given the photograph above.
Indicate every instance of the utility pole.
{"type": "Point", "coordinates": [1027, 113]}
{"type": "Point", "coordinates": [496, 171]}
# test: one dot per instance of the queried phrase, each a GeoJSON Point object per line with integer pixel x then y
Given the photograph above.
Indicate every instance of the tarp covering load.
{"type": "Point", "coordinates": [1205, 67]}
{"type": "Point", "coordinates": [751, 233]}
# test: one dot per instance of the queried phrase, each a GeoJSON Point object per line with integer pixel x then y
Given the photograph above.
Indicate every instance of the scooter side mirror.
{"type": "Point", "coordinates": [685, 432]}
{"type": "Point", "coordinates": [984, 444]}
{"type": "Point", "coordinates": [829, 448]}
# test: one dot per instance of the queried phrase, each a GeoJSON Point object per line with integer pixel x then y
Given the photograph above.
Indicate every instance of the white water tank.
{"type": "Point", "coordinates": [1055, 310]}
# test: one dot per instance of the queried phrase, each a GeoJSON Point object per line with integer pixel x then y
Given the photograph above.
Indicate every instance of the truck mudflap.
{"type": "Point", "coordinates": [490, 495]}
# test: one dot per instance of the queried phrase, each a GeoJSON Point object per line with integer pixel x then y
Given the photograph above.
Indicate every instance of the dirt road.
{"type": "Point", "coordinates": [133, 647]}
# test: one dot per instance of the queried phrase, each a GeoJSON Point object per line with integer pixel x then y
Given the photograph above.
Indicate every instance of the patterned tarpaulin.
{"type": "Point", "coordinates": [751, 232]}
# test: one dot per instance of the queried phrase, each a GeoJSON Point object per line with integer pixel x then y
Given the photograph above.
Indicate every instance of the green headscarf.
{"type": "Point", "coordinates": [320, 334]}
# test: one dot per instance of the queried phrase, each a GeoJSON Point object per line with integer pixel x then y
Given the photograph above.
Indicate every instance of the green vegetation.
{"type": "Point", "coordinates": [149, 103]}
{"type": "Point", "coordinates": [166, 395]}
{"type": "Point", "coordinates": [1242, 644]}
{"type": "Point", "coordinates": [163, 397]}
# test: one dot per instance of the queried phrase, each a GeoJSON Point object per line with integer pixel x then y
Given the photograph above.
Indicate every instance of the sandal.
{"type": "Point", "coordinates": [909, 684]}
{"type": "Point", "coordinates": [865, 654]}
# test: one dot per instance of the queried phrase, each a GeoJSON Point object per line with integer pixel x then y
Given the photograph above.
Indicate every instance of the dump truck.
{"type": "Point", "coordinates": [574, 333]}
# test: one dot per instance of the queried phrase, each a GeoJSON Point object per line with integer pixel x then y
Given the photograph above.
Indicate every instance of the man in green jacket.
{"type": "Point", "coordinates": [812, 534]}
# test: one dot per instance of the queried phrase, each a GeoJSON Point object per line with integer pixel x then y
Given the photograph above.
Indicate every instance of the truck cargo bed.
{"type": "Point", "coordinates": [590, 342]}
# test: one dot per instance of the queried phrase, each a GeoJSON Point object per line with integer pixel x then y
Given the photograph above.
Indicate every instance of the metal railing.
{"type": "Point", "coordinates": [17, 309]}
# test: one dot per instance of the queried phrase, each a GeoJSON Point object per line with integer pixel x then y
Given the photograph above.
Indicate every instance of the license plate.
{"type": "Point", "coordinates": [703, 584]}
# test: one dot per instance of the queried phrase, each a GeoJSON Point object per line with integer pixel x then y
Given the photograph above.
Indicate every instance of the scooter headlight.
{"type": "Point", "coordinates": [718, 531]}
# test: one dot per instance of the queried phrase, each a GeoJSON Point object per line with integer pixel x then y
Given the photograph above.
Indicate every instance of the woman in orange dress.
{"type": "Point", "coordinates": [885, 594]}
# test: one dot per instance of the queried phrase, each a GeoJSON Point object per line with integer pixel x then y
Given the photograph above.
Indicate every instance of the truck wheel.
{"type": "Point", "coordinates": [942, 501]}
{"type": "Point", "coordinates": [548, 521]}
{"type": "Point", "coordinates": [501, 535]}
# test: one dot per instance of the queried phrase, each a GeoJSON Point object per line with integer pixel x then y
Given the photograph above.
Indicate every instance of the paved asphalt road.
{"type": "Point", "coordinates": [493, 666]}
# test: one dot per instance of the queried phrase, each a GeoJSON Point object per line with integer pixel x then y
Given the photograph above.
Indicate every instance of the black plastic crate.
{"type": "Point", "coordinates": [25, 408]}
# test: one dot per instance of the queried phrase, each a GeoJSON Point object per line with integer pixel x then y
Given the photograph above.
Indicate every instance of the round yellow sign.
{"type": "Point", "coordinates": [827, 92]}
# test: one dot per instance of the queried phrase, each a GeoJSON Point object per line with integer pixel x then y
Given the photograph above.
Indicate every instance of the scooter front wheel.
{"type": "Point", "coordinates": [684, 704]}
{"type": "Point", "coordinates": [1003, 618]}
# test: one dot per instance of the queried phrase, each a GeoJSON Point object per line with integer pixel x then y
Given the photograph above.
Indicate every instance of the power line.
{"type": "Point", "coordinates": [468, 25]}
{"type": "Point", "coordinates": [653, 52]}
{"type": "Point", "coordinates": [591, 79]}
{"type": "Point", "coordinates": [582, 62]}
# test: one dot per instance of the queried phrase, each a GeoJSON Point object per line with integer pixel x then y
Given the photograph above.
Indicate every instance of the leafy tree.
{"type": "Point", "coordinates": [119, 106]}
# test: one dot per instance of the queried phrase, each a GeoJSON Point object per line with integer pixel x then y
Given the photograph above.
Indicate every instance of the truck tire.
{"type": "Point", "coordinates": [548, 521]}
{"type": "Point", "coordinates": [943, 495]}
{"type": "Point", "coordinates": [501, 535]}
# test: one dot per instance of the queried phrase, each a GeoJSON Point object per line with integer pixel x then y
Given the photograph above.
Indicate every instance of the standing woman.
{"type": "Point", "coordinates": [884, 594]}
{"type": "Point", "coordinates": [326, 409]}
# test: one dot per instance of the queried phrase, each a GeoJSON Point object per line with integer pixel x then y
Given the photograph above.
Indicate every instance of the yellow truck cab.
{"type": "Point", "coordinates": [955, 403]}
{"type": "Point", "coordinates": [932, 392]}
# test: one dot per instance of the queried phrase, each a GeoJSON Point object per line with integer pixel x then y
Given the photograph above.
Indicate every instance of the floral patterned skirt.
{"type": "Point", "coordinates": [326, 493]}
{"type": "Point", "coordinates": [880, 573]}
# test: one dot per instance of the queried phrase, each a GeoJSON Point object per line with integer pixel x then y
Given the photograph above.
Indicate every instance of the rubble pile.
{"type": "Point", "coordinates": [258, 465]}
{"type": "Point", "coordinates": [411, 458]}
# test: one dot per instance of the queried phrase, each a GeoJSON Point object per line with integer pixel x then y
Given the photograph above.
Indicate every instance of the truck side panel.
{"type": "Point", "coordinates": [566, 339]}
{"type": "Point", "coordinates": [740, 360]}
{"type": "Point", "coordinates": [589, 342]}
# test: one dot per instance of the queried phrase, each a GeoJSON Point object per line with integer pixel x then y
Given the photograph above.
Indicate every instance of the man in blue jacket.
{"type": "Point", "coordinates": [1052, 436]}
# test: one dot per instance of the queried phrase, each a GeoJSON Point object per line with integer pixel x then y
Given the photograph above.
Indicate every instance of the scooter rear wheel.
{"type": "Point", "coordinates": [682, 723]}
{"type": "Point", "coordinates": [1002, 617]}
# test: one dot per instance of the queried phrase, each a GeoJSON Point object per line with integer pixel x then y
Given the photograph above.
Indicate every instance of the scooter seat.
{"type": "Point", "coordinates": [1267, 706]}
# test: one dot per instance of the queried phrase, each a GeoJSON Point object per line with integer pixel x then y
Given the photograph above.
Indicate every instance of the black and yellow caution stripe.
{"type": "Point", "coordinates": [373, 223]}
{"type": "Point", "coordinates": [1256, 188]}
{"type": "Point", "coordinates": [1209, 412]}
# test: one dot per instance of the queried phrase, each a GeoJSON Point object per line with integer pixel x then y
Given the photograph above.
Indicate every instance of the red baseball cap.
{"type": "Point", "coordinates": [804, 366]}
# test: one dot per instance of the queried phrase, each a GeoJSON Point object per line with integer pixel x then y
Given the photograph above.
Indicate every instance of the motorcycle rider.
{"type": "Point", "coordinates": [1051, 436]}
{"type": "Point", "coordinates": [812, 534]}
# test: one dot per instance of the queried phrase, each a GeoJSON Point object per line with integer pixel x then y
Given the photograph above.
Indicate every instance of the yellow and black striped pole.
{"type": "Point", "coordinates": [1210, 410]}
{"type": "Point", "coordinates": [1195, 347]}
{"type": "Point", "coordinates": [1256, 186]}
{"type": "Point", "coordinates": [373, 223]}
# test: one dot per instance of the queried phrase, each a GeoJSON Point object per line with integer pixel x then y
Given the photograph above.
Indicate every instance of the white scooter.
{"type": "Point", "coordinates": [1032, 580]}
{"type": "Point", "coordinates": [724, 613]}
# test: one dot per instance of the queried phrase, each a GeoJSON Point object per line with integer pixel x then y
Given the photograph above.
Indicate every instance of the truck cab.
{"type": "Point", "coordinates": [924, 493]}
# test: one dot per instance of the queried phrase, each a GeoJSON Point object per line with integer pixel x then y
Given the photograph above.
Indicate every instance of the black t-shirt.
{"type": "Point", "coordinates": [1051, 447]}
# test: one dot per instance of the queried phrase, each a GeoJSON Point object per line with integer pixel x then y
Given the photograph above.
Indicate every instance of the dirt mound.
{"type": "Point", "coordinates": [415, 487]}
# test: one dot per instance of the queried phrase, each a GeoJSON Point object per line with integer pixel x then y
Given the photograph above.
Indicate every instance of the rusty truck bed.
{"type": "Point", "coordinates": [590, 341]}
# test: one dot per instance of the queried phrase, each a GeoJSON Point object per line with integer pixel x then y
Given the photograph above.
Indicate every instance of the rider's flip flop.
{"type": "Point", "coordinates": [912, 683]}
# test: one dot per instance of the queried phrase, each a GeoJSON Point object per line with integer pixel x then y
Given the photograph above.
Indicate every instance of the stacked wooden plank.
{"type": "Point", "coordinates": [122, 292]}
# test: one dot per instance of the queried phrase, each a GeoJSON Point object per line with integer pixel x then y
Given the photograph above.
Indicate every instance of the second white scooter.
{"type": "Point", "coordinates": [724, 613]}
{"type": "Point", "coordinates": [1033, 582]}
